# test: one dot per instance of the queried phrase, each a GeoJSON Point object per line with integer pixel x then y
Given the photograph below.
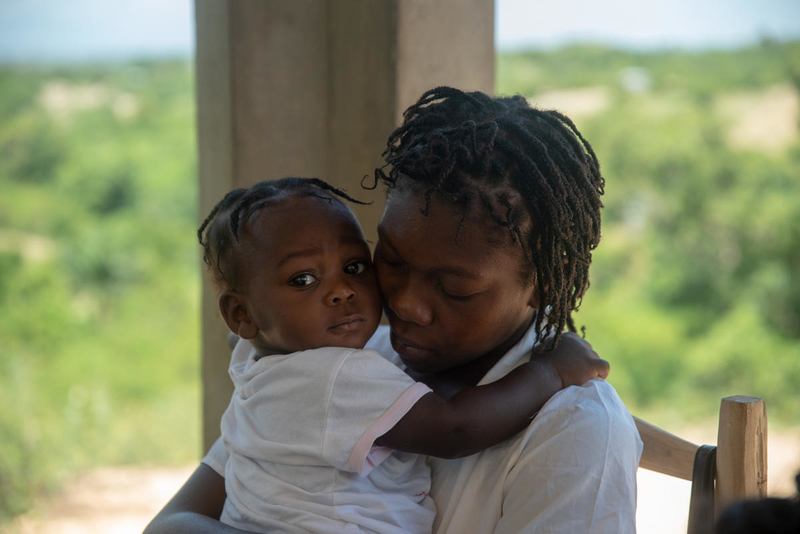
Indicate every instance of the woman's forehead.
{"type": "Point", "coordinates": [446, 234]}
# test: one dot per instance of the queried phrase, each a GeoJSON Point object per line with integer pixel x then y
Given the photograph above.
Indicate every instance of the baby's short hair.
{"type": "Point", "coordinates": [220, 232]}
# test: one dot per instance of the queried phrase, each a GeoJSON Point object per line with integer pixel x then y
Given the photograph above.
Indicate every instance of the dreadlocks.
{"type": "Point", "coordinates": [531, 170]}
{"type": "Point", "coordinates": [221, 230]}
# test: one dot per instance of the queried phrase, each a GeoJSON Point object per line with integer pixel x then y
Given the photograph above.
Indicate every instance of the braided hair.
{"type": "Point", "coordinates": [530, 169]}
{"type": "Point", "coordinates": [221, 230]}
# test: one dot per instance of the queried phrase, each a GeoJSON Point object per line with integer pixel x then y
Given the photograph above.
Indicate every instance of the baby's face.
{"type": "Point", "coordinates": [309, 280]}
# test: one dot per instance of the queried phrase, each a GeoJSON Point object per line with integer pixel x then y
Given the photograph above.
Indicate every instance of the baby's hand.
{"type": "Point", "coordinates": [575, 361]}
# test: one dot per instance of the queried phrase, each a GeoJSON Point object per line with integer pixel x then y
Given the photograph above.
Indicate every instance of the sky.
{"type": "Point", "coordinates": [98, 30]}
{"type": "Point", "coordinates": [645, 24]}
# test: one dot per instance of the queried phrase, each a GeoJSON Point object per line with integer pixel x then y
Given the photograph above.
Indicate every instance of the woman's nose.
{"type": "Point", "coordinates": [408, 304]}
{"type": "Point", "coordinates": [340, 292]}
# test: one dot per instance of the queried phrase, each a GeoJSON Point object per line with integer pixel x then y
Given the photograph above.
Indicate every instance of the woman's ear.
{"type": "Point", "coordinates": [233, 308]}
{"type": "Point", "coordinates": [533, 296]}
{"type": "Point", "coordinates": [533, 301]}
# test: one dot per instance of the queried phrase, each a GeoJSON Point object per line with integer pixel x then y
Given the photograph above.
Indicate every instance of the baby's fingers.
{"type": "Point", "coordinates": [601, 366]}
{"type": "Point", "coordinates": [575, 337]}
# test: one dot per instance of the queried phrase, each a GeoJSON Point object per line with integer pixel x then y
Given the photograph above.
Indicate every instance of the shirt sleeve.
{"type": "Point", "coordinates": [216, 457]}
{"type": "Point", "coordinates": [577, 470]}
{"type": "Point", "coordinates": [369, 396]}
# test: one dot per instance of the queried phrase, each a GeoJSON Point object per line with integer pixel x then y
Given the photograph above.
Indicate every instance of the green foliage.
{"type": "Point", "coordinates": [695, 289]}
{"type": "Point", "coordinates": [98, 273]}
{"type": "Point", "coordinates": [697, 74]}
{"type": "Point", "coordinates": [696, 293]}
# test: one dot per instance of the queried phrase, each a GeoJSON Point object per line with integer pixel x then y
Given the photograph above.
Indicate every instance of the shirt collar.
{"type": "Point", "coordinates": [519, 354]}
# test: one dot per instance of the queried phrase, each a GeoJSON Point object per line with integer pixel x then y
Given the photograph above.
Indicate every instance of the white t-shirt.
{"type": "Point", "coordinates": [299, 432]}
{"type": "Point", "coordinates": [573, 470]}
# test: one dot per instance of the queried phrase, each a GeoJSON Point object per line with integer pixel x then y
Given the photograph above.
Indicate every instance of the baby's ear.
{"type": "Point", "coordinates": [233, 307]}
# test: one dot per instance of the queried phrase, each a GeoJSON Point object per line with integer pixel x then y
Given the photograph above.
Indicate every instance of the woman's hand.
{"type": "Point", "coordinates": [574, 361]}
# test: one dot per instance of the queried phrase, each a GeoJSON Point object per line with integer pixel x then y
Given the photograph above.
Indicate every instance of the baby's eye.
{"type": "Point", "coordinates": [302, 280]}
{"type": "Point", "coordinates": [357, 267]}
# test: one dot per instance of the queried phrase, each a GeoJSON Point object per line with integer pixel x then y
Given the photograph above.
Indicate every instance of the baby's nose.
{"type": "Point", "coordinates": [341, 292]}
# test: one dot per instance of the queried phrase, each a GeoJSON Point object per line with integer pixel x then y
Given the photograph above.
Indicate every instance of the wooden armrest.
{"type": "Point", "coordinates": [664, 452]}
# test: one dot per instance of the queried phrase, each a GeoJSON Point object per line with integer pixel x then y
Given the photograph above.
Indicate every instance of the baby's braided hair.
{"type": "Point", "coordinates": [221, 230]}
{"type": "Point", "coordinates": [530, 169]}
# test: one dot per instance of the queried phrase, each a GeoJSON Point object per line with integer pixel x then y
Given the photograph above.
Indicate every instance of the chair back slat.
{"type": "Point", "coordinates": [741, 450]}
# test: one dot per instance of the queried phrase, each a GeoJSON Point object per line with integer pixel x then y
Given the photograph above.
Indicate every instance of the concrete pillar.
{"type": "Point", "coordinates": [312, 88]}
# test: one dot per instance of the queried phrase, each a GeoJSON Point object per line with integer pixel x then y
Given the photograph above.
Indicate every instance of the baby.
{"type": "Point", "coordinates": [322, 434]}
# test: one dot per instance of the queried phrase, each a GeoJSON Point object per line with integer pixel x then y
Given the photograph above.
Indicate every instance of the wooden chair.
{"type": "Point", "coordinates": [734, 469]}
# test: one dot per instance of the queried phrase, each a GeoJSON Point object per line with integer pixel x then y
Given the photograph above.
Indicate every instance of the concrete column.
{"type": "Point", "coordinates": [312, 88]}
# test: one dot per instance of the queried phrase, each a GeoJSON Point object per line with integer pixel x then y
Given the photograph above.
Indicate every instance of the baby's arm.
{"type": "Point", "coordinates": [479, 417]}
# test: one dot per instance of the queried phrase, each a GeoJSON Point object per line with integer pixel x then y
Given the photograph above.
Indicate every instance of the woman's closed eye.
{"type": "Point", "coordinates": [452, 295]}
{"type": "Point", "coordinates": [303, 280]}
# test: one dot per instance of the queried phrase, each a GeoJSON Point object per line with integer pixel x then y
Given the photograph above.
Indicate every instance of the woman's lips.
{"type": "Point", "coordinates": [409, 350]}
{"type": "Point", "coordinates": [351, 323]}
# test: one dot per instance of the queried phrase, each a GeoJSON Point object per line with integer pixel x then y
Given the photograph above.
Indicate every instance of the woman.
{"type": "Point", "coordinates": [492, 212]}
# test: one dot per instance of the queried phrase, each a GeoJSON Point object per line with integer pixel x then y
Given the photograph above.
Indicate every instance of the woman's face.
{"type": "Point", "coordinates": [449, 303]}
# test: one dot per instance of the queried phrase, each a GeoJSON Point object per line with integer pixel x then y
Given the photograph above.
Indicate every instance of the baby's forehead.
{"type": "Point", "coordinates": [298, 213]}
{"type": "Point", "coordinates": [310, 203]}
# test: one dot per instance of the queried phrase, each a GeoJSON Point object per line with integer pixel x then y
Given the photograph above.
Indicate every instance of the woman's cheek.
{"type": "Point", "coordinates": [465, 322]}
{"type": "Point", "coordinates": [384, 282]}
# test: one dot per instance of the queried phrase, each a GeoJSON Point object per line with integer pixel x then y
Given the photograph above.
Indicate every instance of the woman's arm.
{"type": "Point", "coordinates": [196, 508]}
{"type": "Point", "coordinates": [480, 417]}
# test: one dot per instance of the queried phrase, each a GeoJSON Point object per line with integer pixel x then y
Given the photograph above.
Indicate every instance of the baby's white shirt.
{"type": "Point", "coordinates": [299, 432]}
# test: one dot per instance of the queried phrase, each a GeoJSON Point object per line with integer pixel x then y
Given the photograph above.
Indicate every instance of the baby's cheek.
{"type": "Point", "coordinates": [310, 336]}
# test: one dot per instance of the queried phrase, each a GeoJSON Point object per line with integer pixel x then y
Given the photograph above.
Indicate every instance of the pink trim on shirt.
{"type": "Point", "coordinates": [365, 457]}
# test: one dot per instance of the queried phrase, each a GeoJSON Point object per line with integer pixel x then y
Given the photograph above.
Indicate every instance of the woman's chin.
{"type": "Point", "coordinates": [421, 360]}
{"type": "Point", "coordinates": [423, 368]}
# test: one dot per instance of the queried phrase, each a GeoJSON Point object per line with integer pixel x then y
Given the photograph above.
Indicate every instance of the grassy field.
{"type": "Point", "coordinates": [695, 288]}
